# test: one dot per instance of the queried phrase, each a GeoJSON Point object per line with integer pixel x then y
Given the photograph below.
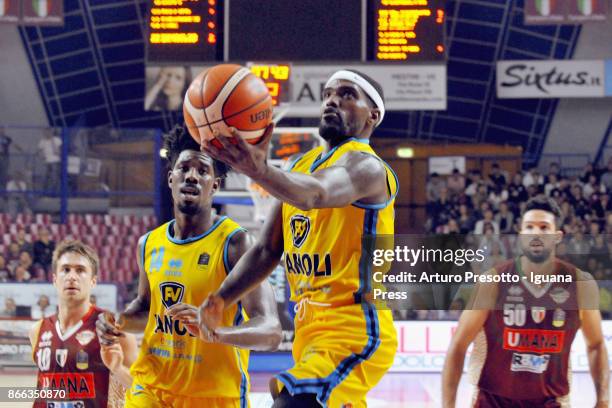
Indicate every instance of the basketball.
{"type": "Point", "coordinates": [224, 96]}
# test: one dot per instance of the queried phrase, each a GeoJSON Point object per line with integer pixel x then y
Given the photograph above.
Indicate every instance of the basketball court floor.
{"type": "Point", "coordinates": [418, 390]}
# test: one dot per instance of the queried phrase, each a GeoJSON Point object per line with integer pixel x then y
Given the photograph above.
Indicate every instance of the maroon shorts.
{"type": "Point", "coordinates": [485, 399]}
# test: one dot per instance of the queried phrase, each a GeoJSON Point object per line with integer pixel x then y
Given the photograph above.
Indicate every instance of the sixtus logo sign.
{"type": "Point", "coordinates": [550, 79]}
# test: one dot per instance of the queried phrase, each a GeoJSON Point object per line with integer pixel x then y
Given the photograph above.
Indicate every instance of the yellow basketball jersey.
{"type": "Point", "coordinates": [328, 250]}
{"type": "Point", "coordinates": [170, 358]}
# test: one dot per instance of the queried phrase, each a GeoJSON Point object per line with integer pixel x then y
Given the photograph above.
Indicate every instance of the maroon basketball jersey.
{"type": "Point", "coordinates": [525, 349]}
{"type": "Point", "coordinates": [71, 361]}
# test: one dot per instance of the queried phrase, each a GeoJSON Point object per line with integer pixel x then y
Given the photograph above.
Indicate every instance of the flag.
{"type": "Point", "coordinates": [41, 7]}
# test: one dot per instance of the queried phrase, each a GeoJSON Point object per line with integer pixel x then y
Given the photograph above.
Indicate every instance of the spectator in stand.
{"type": "Point", "coordinates": [22, 275]}
{"type": "Point", "coordinates": [576, 199]}
{"type": "Point", "coordinates": [49, 148]}
{"type": "Point", "coordinates": [455, 183]}
{"type": "Point", "coordinates": [533, 178]}
{"type": "Point", "coordinates": [606, 177]}
{"type": "Point", "coordinates": [466, 220]}
{"type": "Point", "coordinates": [23, 241]}
{"type": "Point", "coordinates": [10, 308]}
{"type": "Point", "coordinates": [5, 145]}
{"type": "Point", "coordinates": [25, 260]}
{"type": "Point", "coordinates": [441, 210]}
{"type": "Point", "coordinates": [517, 193]}
{"type": "Point", "coordinates": [472, 183]}
{"type": "Point", "coordinates": [551, 184]}
{"type": "Point", "coordinates": [496, 177]}
{"type": "Point", "coordinates": [93, 299]}
{"type": "Point", "coordinates": [16, 195]}
{"type": "Point", "coordinates": [504, 218]}
{"type": "Point", "coordinates": [43, 249]}
{"type": "Point", "coordinates": [599, 249]}
{"type": "Point", "coordinates": [434, 187]}
{"type": "Point", "coordinates": [601, 205]}
{"type": "Point", "coordinates": [43, 308]}
{"type": "Point", "coordinates": [488, 221]}
{"type": "Point", "coordinates": [497, 195]}
{"type": "Point", "coordinates": [578, 248]}
{"type": "Point", "coordinates": [592, 187]}
{"type": "Point", "coordinates": [5, 273]}
{"type": "Point", "coordinates": [561, 191]}
{"type": "Point", "coordinates": [12, 257]}
{"type": "Point", "coordinates": [481, 196]}
{"type": "Point", "coordinates": [587, 172]}
{"type": "Point", "coordinates": [608, 228]}
{"type": "Point", "coordinates": [553, 170]}
{"type": "Point", "coordinates": [567, 213]}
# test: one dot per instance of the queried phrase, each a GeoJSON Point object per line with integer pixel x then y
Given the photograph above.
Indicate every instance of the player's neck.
{"type": "Point", "coordinates": [71, 313]}
{"type": "Point", "coordinates": [189, 226]}
{"type": "Point", "coordinates": [546, 267]}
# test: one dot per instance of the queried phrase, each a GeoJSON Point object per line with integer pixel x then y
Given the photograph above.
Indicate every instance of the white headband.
{"type": "Point", "coordinates": [365, 85]}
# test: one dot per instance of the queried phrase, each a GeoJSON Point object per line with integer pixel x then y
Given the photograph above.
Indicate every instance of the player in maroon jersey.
{"type": "Point", "coordinates": [522, 332]}
{"type": "Point", "coordinates": [65, 346]}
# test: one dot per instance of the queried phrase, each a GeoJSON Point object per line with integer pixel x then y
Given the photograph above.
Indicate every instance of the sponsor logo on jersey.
{"type": "Point", "coordinates": [166, 324]}
{"type": "Point", "coordinates": [82, 360]}
{"type": "Point", "coordinates": [76, 385]}
{"type": "Point", "coordinates": [61, 356]}
{"type": "Point", "coordinates": [308, 264]}
{"type": "Point", "coordinates": [171, 293]}
{"type": "Point", "coordinates": [532, 363]}
{"type": "Point", "coordinates": [85, 337]}
{"type": "Point", "coordinates": [534, 340]}
{"type": "Point", "coordinates": [559, 317]}
{"type": "Point", "coordinates": [300, 227]}
{"type": "Point", "coordinates": [203, 259]}
{"type": "Point", "coordinates": [45, 339]}
{"type": "Point", "coordinates": [559, 295]}
{"type": "Point", "coordinates": [538, 314]}
{"type": "Point", "coordinates": [65, 404]}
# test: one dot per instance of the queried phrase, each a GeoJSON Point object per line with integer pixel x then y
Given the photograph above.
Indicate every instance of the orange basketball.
{"type": "Point", "coordinates": [226, 96]}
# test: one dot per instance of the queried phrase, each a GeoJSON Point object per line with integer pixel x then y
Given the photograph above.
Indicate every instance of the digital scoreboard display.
{"type": "Point", "coordinates": [300, 31]}
{"type": "Point", "coordinates": [407, 30]}
{"type": "Point", "coordinates": [277, 78]}
{"type": "Point", "coordinates": [184, 31]}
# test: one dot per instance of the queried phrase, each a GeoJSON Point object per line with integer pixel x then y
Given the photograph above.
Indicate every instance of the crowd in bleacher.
{"type": "Point", "coordinates": [488, 207]}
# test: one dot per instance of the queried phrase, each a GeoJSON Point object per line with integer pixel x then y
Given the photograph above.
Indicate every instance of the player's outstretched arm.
{"type": "Point", "coordinates": [470, 323]}
{"type": "Point", "coordinates": [134, 318]}
{"type": "Point", "coordinates": [263, 330]}
{"type": "Point", "coordinates": [253, 267]}
{"type": "Point", "coordinates": [588, 297]}
{"type": "Point", "coordinates": [119, 357]}
{"type": "Point", "coordinates": [356, 176]}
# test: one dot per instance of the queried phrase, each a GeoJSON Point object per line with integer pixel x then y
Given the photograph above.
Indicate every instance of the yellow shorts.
{"type": "Point", "coordinates": [148, 397]}
{"type": "Point", "coordinates": [340, 354]}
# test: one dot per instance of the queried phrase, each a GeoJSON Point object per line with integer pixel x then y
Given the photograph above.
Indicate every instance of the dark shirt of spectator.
{"type": "Point", "coordinates": [517, 192]}
{"type": "Point", "coordinates": [496, 176]}
{"type": "Point", "coordinates": [504, 218]}
{"type": "Point", "coordinates": [553, 170]}
{"type": "Point", "coordinates": [601, 205]}
{"type": "Point", "coordinates": [587, 172]}
{"type": "Point", "coordinates": [43, 249]}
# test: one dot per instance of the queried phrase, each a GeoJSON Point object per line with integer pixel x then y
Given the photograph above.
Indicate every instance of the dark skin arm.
{"type": "Point", "coordinates": [261, 332]}
{"type": "Point", "coordinates": [135, 316]}
{"type": "Point", "coordinates": [356, 176]}
{"type": "Point", "coordinates": [256, 264]}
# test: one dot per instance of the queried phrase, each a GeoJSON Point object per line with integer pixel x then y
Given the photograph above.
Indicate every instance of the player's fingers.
{"type": "Point", "coordinates": [105, 328]}
{"type": "Point", "coordinates": [176, 308]}
{"type": "Point", "coordinates": [267, 136]}
{"type": "Point", "coordinates": [185, 315]}
{"type": "Point", "coordinates": [211, 150]}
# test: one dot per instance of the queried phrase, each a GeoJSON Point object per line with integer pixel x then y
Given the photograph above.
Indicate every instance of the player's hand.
{"type": "Point", "coordinates": [112, 356]}
{"type": "Point", "coordinates": [187, 315]}
{"type": "Point", "coordinates": [211, 312]}
{"type": "Point", "coordinates": [107, 330]}
{"type": "Point", "coordinates": [242, 156]}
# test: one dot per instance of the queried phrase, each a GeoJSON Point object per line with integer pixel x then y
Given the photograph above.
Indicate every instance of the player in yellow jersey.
{"type": "Point", "coordinates": [181, 262]}
{"type": "Point", "coordinates": [332, 200]}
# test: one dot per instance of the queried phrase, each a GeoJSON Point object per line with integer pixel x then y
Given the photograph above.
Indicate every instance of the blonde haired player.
{"type": "Point", "coordinates": [181, 262]}
{"type": "Point", "coordinates": [334, 200]}
{"type": "Point", "coordinates": [65, 347]}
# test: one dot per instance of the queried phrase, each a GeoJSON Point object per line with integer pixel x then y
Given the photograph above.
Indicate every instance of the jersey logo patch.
{"type": "Point", "coordinates": [538, 314]}
{"type": "Point", "coordinates": [85, 337]}
{"type": "Point", "coordinates": [61, 356]}
{"type": "Point", "coordinates": [300, 227]}
{"type": "Point", "coordinates": [171, 293]}
{"type": "Point", "coordinates": [532, 363]}
{"type": "Point", "coordinates": [534, 340]}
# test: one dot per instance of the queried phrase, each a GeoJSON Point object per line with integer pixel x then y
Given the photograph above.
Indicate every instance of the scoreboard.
{"type": "Point", "coordinates": [313, 31]}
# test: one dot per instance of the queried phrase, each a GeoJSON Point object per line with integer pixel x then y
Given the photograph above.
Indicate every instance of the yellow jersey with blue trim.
{"type": "Point", "coordinates": [187, 271]}
{"type": "Point", "coordinates": [328, 251]}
